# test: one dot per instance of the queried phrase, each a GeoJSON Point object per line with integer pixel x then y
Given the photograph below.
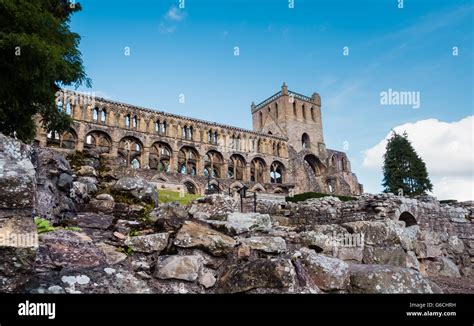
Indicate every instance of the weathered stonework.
{"type": "Point", "coordinates": [284, 152]}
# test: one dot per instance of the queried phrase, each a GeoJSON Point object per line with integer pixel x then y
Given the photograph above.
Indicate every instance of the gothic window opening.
{"type": "Point", "coordinates": [95, 114]}
{"type": "Point", "coordinates": [236, 167]}
{"type": "Point", "coordinates": [98, 141]}
{"type": "Point", "coordinates": [103, 116]}
{"type": "Point", "coordinates": [160, 157]}
{"type": "Point", "coordinates": [276, 172]}
{"type": "Point", "coordinates": [257, 170]}
{"type": "Point", "coordinates": [127, 121]}
{"type": "Point", "coordinates": [130, 152]}
{"type": "Point", "coordinates": [68, 108]}
{"type": "Point", "coordinates": [187, 160]}
{"type": "Point", "coordinates": [213, 163]}
{"type": "Point", "coordinates": [305, 142]}
{"type": "Point", "coordinates": [135, 122]}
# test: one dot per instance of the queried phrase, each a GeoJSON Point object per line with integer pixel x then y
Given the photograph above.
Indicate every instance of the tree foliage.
{"type": "Point", "coordinates": [38, 55]}
{"type": "Point", "coordinates": [403, 168]}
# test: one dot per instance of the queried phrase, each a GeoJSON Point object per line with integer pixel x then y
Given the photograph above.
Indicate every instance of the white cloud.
{"type": "Point", "coordinates": [170, 19]}
{"type": "Point", "coordinates": [175, 14]}
{"type": "Point", "coordinates": [446, 148]}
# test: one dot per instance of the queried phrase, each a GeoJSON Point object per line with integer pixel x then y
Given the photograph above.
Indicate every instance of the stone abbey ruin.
{"type": "Point", "coordinates": [285, 152]}
{"type": "Point", "coordinates": [85, 212]}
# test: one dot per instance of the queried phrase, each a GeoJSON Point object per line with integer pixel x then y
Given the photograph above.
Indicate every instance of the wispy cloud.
{"type": "Point", "coordinates": [173, 16]}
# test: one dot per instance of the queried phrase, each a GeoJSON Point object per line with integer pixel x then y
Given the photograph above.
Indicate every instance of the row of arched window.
{"type": "Point", "coordinates": [295, 113]}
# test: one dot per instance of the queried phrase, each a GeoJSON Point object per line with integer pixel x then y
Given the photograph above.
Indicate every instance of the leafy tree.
{"type": "Point", "coordinates": [38, 55]}
{"type": "Point", "coordinates": [403, 168]}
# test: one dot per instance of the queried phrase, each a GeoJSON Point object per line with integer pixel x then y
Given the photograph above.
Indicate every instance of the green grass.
{"type": "Point", "coordinates": [166, 196]}
{"type": "Point", "coordinates": [308, 195]}
{"type": "Point", "coordinates": [43, 226]}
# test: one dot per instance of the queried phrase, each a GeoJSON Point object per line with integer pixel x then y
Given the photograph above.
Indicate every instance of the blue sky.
{"type": "Point", "coordinates": [190, 51]}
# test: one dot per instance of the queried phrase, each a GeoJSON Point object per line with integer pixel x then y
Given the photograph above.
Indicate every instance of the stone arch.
{"type": "Point", "coordinates": [315, 164]}
{"type": "Point", "coordinates": [257, 170]}
{"type": "Point", "coordinates": [188, 158]}
{"type": "Point", "coordinates": [236, 185]}
{"type": "Point", "coordinates": [258, 188]}
{"type": "Point", "coordinates": [130, 152]}
{"type": "Point", "coordinates": [408, 218]}
{"type": "Point", "coordinates": [213, 164]}
{"type": "Point", "coordinates": [236, 167]}
{"type": "Point", "coordinates": [159, 178]}
{"type": "Point", "coordinates": [98, 140]}
{"type": "Point", "coordinates": [277, 172]}
{"type": "Point", "coordinates": [160, 156]}
{"type": "Point", "coordinates": [278, 190]}
{"type": "Point", "coordinates": [191, 187]}
{"type": "Point", "coordinates": [67, 140]}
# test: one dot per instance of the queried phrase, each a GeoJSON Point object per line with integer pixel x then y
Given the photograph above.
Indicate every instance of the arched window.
{"type": "Point", "coordinates": [157, 126]}
{"type": "Point", "coordinates": [303, 111]}
{"type": "Point", "coordinates": [276, 172]}
{"type": "Point", "coordinates": [68, 108]}
{"type": "Point", "coordinates": [213, 163]}
{"type": "Point", "coordinates": [408, 218]}
{"type": "Point", "coordinates": [99, 141]}
{"type": "Point", "coordinates": [127, 121]}
{"type": "Point", "coordinates": [60, 105]}
{"type": "Point", "coordinates": [103, 116]}
{"type": "Point", "coordinates": [135, 122]}
{"type": "Point", "coordinates": [312, 114]}
{"type": "Point", "coordinates": [276, 110]}
{"type": "Point", "coordinates": [295, 114]}
{"type": "Point", "coordinates": [187, 160]}
{"type": "Point", "coordinates": [305, 142]}
{"type": "Point", "coordinates": [95, 114]}
{"type": "Point", "coordinates": [160, 157]}
{"type": "Point", "coordinates": [260, 118]}
{"type": "Point", "coordinates": [257, 170]}
{"type": "Point", "coordinates": [130, 148]}
{"type": "Point", "coordinates": [190, 133]}
{"type": "Point", "coordinates": [184, 132]}
{"type": "Point", "coordinates": [236, 167]}
{"type": "Point", "coordinates": [163, 128]}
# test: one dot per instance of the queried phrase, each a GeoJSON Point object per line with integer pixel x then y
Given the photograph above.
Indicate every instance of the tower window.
{"type": "Point", "coordinates": [305, 143]}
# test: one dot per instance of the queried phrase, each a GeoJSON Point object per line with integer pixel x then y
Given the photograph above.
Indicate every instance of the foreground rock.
{"type": "Point", "coordinates": [18, 237]}
{"type": "Point", "coordinates": [148, 243]}
{"type": "Point", "coordinates": [388, 279]}
{"type": "Point", "coordinates": [260, 273]}
{"type": "Point", "coordinates": [103, 280]}
{"type": "Point", "coordinates": [67, 249]}
{"type": "Point", "coordinates": [194, 235]}
{"type": "Point", "coordinates": [214, 207]}
{"type": "Point", "coordinates": [326, 272]}
{"type": "Point", "coordinates": [137, 188]}
{"type": "Point", "coordinates": [238, 223]}
{"type": "Point", "coordinates": [179, 267]}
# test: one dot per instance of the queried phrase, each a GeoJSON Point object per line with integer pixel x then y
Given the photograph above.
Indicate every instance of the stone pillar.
{"type": "Point", "coordinates": [174, 161]}
{"type": "Point", "coordinates": [145, 158]}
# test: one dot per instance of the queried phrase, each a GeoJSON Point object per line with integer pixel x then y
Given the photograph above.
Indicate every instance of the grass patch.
{"type": "Point", "coordinates": [308, 195]}
{"type": "Point", "coordinates": [166, 196]}
{"type": "Point", "coordinates": [43, 226]}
